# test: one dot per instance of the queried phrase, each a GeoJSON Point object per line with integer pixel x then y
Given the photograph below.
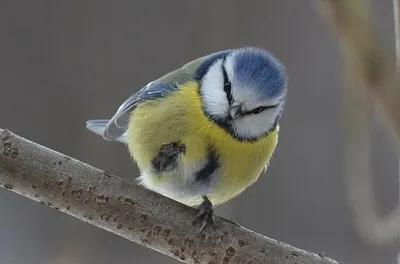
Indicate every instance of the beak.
{"type": "Point", "coordinates": [235, 111]}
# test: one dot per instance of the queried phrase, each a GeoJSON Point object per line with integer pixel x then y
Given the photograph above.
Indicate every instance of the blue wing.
{"type": "Point", "coordinates": [115, 128]}
{"type": "Point", "coordinates": [98, 126]}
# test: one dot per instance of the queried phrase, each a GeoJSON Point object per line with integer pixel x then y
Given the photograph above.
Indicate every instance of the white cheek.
{"type": "Point", "coordinates": [214, 97]}
{"type": "Point", "coordinates": [255, 125]}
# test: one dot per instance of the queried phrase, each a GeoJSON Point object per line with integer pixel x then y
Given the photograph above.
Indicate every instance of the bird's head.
{"type": "Point", "coordinates": [243, 90]}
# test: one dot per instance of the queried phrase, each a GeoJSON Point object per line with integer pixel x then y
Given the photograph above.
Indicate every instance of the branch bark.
{"type": "Point", "coordinates": [135, 213]}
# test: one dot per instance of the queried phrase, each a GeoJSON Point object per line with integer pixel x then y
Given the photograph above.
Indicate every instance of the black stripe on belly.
{"type": "Point", "coordinates": [204, 174]}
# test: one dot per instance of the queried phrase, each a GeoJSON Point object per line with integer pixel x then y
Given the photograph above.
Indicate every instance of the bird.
{"type": "Point", "coordinates": [205, 132]}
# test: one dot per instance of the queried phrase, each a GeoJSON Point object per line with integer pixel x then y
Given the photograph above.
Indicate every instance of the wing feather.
{"type": "Point", "coordinates": [116, 127]}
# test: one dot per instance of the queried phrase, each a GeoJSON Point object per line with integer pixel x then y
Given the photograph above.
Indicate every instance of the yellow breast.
{"type": "Point", "coordinates": [179, 117]}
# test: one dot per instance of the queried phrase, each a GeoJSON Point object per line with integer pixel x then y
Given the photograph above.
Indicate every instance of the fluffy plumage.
{"type": "Point", "coordinates": [224, 108]}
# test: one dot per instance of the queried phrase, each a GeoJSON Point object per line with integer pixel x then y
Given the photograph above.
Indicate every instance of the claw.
{"type": "Point", "coordinates": [206, 213]}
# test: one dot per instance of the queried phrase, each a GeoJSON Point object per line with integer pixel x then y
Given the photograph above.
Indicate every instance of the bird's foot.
{"type": "Point", "coordinates": [206, 214]}
{"type": "Point", "coordinates": [166, 159]}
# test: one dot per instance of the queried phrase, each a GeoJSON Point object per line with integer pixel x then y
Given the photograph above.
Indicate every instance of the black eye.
{"type": "Point", "coordinates": [227, 86]}
{"type": "Point", "coordinates": [261, 108]}
{"type": "Point", "coordinates": [258, 110]}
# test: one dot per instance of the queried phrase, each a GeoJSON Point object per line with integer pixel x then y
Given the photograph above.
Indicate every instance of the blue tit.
{"type": "Point", "coordinates": [205, 132]}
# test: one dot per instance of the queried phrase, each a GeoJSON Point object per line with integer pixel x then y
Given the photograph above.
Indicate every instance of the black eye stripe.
{"type": "Point", "coordinates": [227, 85]}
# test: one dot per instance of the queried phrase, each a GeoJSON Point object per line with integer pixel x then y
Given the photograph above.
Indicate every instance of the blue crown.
{"type": "Point", "coordinates": [259, 70]}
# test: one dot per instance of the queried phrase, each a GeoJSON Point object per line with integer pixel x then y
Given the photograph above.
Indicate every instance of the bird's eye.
{"type": "Point", "coordinates": [261, 108]}
{"type": "Point", "coordinates": [258, 110]}
{"type": "Point", "coordinates": [227, 86]}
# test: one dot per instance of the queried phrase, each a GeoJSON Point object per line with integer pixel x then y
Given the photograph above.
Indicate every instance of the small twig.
{"type": "Point", "coordinates": [133, 212]}
{"type": "Point", "coordinates": [396, 19]}
{"type": "Point", "coordinates": [371, 75]}
{"type": "Point", "coordinates": [365, 57]}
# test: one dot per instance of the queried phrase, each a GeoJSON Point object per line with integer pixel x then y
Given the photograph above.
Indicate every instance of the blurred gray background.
{"type": "Point", "coordinates": [64, 62]}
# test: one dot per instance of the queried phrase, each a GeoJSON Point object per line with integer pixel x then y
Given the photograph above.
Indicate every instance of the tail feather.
{"type": "Point", "coordinates": [98, 127]}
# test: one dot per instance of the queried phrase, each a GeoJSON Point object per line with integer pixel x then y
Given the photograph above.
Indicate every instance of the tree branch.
{"type": "Point", "coordinates": [135, 213]}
